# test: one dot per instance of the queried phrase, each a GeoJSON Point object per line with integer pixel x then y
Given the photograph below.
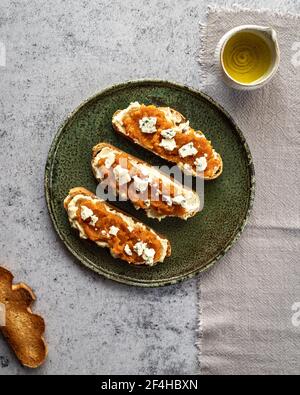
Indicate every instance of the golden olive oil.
{"type": "Point", "coordinates": [247, 57]}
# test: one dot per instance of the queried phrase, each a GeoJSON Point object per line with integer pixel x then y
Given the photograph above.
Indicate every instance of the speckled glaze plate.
{"type": "Point", "coordinates": [197, 243]}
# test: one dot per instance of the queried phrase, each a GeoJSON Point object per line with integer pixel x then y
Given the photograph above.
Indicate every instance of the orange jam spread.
{"type": "Point", "coordinates": [153, 197]}
{"type": "Point", "coordinates": [101, 232]}
{"type": "Point", "coordinates": [152, 141]}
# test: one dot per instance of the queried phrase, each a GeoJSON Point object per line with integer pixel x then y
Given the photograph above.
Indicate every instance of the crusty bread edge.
{"type": "Point", "coordinates": [120, 130]}
{"type": "Point", "coordinates": [44, 351]}
{"type": "Point", "coordinates": [96, 150]}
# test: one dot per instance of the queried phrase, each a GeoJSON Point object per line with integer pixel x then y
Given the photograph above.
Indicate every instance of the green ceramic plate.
{"type": "Point", "coordinates": [197, 243]}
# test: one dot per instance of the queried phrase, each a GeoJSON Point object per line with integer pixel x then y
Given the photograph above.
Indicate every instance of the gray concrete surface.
{"type": "Point", "coordinates": [57, 54]}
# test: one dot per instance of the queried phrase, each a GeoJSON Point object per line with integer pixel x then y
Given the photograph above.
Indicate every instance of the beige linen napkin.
{"type": "Point", "coordinates": [249, 302]}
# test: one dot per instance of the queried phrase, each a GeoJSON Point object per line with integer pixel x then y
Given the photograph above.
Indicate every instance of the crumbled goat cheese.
{"type": "Point", "coordinates": [113, 230]}
{"type": "Point", "coordinates": [86, 213]}
{"type": "Point", "coordinates": [188, 150]}
{"type": "Point", "coordinates": [148, 125]}
{"type": "Point", "coordinates": [99, 173]}
{"type": "Point", "coordinates": [143, 170]}
{"type": "Point", "coordinates": [168, 200]}
{"type": "Point", "coordinates": [94, 220]}
{"type": "Point", "coordinates": [140, 247]}
{"type": "Point", "coordinates": [146, 253]}
{"type": "Point", "coordinates": [179, 200]}
{"type": "Point", "coordinates": [122, 175]}
{"type": "Point", "coordinates": [110, 160]}
{"type": "Point", "coordinates": [148, 256]}
{"type": "Point", "coordinates": [201, 164]}
{"type": "Point", "coordinates": [168, 145]}
{"type": "Point", "coordinates": [188, 169]}
{"type": "Point", "coordinates": [184, 127]}
{"type": "Point", "coordinates": [141, 185]}
{"type": "Point", "coordinates": [168, 134]}
{"type": "Point", "coordinates": [128, 250]}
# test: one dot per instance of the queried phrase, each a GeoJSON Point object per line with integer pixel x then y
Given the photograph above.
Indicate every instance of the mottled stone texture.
{"type": "Point", "coordinates": [57, 54]}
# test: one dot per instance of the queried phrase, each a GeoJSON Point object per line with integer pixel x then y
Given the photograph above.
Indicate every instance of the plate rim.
{"type": "Point", "coordinates": [125, 279]}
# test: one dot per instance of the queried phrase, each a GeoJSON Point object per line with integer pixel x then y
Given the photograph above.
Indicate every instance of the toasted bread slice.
{"type": "Point", "coordinates": [111, 228]}
{"type": "Point", "coordinates": [149, 127]}
{"type": "Point", "coordinates": [23, 330]}
{"type": "Point", "coordinates": [145, 186]}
